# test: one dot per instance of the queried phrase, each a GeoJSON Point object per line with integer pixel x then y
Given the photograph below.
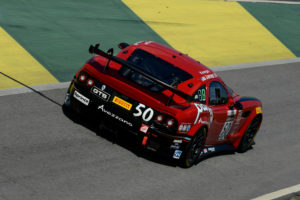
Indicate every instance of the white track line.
{"type": "Point", "coordinates": [267, 1]}
{"type": "Point", "coordinates": [217, 69]}
{"type": "Point", "coordinates": [279, 193]}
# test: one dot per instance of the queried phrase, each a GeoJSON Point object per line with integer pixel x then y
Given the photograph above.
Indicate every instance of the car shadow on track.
{"type": "Point", "coordinates": [128, 141]}
{"type": "Point", "coordinates": [123, 138]}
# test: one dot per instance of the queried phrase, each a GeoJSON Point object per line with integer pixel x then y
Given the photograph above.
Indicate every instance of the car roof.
{"type": "Point", "coordinates": [178, 59]}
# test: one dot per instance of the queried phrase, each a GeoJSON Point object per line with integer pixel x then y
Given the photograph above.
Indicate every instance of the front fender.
{"type": "Point", "coordinates": [255, 111]}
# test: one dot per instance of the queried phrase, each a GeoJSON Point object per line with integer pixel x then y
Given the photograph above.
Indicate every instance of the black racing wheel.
{"type": "Point", "coordinates": [194, 148]}
{"type": "Point", "coordinates": [249, 135]}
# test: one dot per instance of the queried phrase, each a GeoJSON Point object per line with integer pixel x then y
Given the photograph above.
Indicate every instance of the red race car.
{"type": "Point", "coordinates": [171, 102]}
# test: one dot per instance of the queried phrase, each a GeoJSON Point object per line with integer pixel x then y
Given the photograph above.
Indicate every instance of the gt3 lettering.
{"type": "Point", "coordinates": [147, 114]}
{"type": "Point", "coordinates": [100, 93]}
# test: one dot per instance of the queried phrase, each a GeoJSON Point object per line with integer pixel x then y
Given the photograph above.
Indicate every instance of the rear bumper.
{"type": "Point", "coordinates": [153, 139]}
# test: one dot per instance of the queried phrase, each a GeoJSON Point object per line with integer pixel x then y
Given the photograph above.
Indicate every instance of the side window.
{"type": "Point", "coordinates": [200, 95]}
{"type": "Point", "coordinates": [217, 94]}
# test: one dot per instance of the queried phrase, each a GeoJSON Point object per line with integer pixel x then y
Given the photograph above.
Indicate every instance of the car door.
{"type": "Point", "coordinates": [223, 116]}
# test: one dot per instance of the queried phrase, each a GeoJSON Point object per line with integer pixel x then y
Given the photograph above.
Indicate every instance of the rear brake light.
{"type": "Point", "coordinates": [82, 77]}
{"type": "Point", "coordinates": [159, 118]}
{"type": "Point", "coordinates": [90, 82]}
{"type": "Point", "coordinates": [170, 122]}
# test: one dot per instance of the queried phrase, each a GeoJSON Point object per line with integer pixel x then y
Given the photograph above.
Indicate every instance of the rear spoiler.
{"type": "Point", "coordinates": [109, 55]}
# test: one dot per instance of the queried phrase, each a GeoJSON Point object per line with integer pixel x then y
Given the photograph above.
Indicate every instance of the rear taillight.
{"type": "Point", "coordinates": [170, 123]}
{"type": "Point", "coordinates": [159, 118]}
{"type": "Point", "coordinates": [90, 82]}
{"type": "Point", "coordinates": [82, 77]}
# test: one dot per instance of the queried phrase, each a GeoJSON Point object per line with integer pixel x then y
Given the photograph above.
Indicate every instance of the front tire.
{"type": "Point", "coordinates": [194, 148]}
{"type": "Point", "coordinates": [249, 135]}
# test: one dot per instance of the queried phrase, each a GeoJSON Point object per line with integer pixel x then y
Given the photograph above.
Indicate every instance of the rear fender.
{"type": "Point", "coordinates": [197, 116]}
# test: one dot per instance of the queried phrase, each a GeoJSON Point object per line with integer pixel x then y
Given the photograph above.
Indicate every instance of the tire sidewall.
{"type": "Point", "coordinates": [186, 161]}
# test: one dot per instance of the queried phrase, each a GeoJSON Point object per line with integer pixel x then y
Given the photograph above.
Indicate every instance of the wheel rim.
{"type": "Point", "coordinates": [196, 148]}
{"type": "Point", "coordinates": [251, 132]}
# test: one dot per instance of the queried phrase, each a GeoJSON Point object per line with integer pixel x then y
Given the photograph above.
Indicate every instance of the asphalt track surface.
{"type": "Point", "coordinates": [46, 155]}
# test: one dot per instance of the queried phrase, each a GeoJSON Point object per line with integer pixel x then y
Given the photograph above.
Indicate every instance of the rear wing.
{"type": "Point", "coordinates": [109, 55]}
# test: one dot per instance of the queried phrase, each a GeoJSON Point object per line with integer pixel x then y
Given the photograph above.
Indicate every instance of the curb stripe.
{"type": "Point", "coordinates": [279, 193]}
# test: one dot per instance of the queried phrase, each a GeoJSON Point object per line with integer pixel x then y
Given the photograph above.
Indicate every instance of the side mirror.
{"type": "Point", "coordinates": [123, 45]}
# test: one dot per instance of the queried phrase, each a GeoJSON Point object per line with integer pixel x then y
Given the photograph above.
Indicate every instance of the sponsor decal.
{"type": "Point", "coordinates": [81, 98]}
{"type": "Point", "coordinates": [204, 72]}
{"type": "Point", "coordinates": [101, 107]}
{"type": "Point", "coordinates": [122, 103]}
{"type": "Point", "coordinates": [258, 110]}
{"type": "Point", "coordinates": [184, 127]}
{"type": "Point", "coordinates": [177, 154]}
{"type": "Point", "coordinates": [177, 141]}
{"type": "Point", "coordinates": [103, 87]}
{"type": "Point", "coordinates": [100, 93]}
{"type": "Point", "coordinates": [227, 125]}
{"type": "Point", "coordinates": [207, 150]}
{"type": "Point", "coordinates": [237, 122]}
{"type": "Point", "coordinates": [188, 127]}
{"type": "Point", "coordinates": [144, 128]}
{"type": "Point", "coordinates": [211, 149]}
{"type": "Point", "coordinates": [200, 109]}
{"type": "Point", "coordinates": [174, 147]}
{"type": "Point", "coordinates": [208, 76]}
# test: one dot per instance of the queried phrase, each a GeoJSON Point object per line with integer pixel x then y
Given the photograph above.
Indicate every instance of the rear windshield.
{"type": "Point", "coordinates": [155, 67]}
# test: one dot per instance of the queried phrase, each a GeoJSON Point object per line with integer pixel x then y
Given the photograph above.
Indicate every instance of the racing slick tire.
{"type": "Point", "coordinates": [194, 148]}
{"type": "Point", "coordinates": [249, 135]}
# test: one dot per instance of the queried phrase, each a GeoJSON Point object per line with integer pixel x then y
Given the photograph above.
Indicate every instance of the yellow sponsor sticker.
{"type": "Point", "coordinates": [122, 103]}
{"type": "Point", "coordinates": [258, 110]}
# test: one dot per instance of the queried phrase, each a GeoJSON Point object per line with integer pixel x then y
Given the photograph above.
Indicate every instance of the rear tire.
{"type": "Point", "coordinates": [249, 135]}
{"type": "Point", "coordinates": [194, 148]}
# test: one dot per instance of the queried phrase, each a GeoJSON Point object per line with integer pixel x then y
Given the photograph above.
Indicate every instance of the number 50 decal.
{"type": "Point", "coordinates": [146, 114]}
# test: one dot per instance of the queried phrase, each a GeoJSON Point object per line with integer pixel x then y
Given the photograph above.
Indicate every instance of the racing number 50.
{"type": "Point", "coordinates": [146, 114]}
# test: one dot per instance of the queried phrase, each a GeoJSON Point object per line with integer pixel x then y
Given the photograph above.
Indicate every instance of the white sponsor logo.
{"type": "Point", "coordinates": [200, 109]}
{"type": "Point", "coordinates": [81, 98]}
{"type": "Point", "coordinates": [144, 128]}
{"type": "Point", "coordinates": [177, 141]}
{"type": "Point", "coordinates": [114, 115]}
{"type": "Point", "coordinates": [204, 72]}
{"type": "Point", "coordinates": [177, 154]}
{"type": "Point", "coordinates": [184, 127]}
{"type": "Point", "coordinates": [208, 76]}
{"type": "Point", "coordinates": [211, 149]}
